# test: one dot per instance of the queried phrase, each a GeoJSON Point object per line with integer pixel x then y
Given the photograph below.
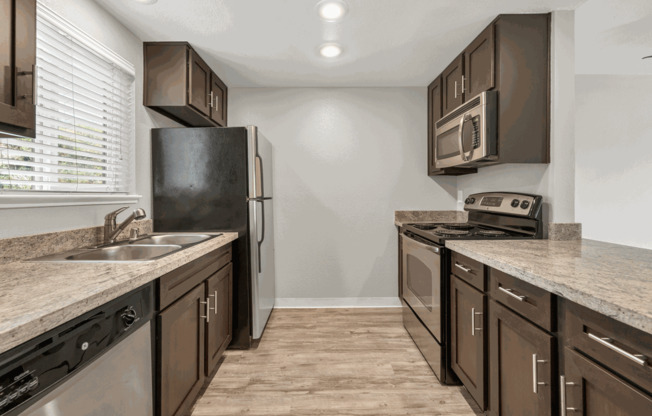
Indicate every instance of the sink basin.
{"type": "Point", "coordinates": [182, 239]}
{"type": "Point", "coordinates": [123, 253]}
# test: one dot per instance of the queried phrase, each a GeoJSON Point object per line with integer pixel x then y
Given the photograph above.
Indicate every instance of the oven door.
{"type": "Point", "coordinates": [422, 281]}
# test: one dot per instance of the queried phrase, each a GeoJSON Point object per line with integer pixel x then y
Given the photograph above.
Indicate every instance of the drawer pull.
{"type": "Point", "coordinates": [214, 301]}
{"type": "Point", "coordinates": [466, 269]}
{"type": "Point", "coordinates": [511, 293]}
{"type": "Point", "coordinates": [639, 359]}
{"type": "Point", "coordinates": [535, 374]}
{"type": "Point", "coordinates": [208, 309]}
{"type": "Point", "coordinates": [562, 396]}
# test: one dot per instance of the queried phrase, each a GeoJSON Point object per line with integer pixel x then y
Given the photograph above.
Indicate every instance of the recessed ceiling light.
{"type": "Point", "coordinates": [146, 1]}
{"type": "Point", "coordinates": [332, 10]}
{"type": "Point", "coordinates": [330, 50]}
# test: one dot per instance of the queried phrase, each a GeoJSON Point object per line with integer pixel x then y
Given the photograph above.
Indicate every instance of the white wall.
{"type": "Point", "coordinates": [614, 158]}
{"type": "Point", "coordinates": [345, 159]}
{"type": "Point", "coordinates": [555, 181]}
{"type": "Point", "coordinates": [95, 21]}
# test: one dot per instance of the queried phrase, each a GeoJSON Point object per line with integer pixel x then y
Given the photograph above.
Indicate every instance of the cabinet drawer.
{"type": "Point", "coordinates": [530, 301]}
{"type": "Point", "coordinates": [469, 270]}
{"type": "Point", "coordinates": [178, 282]}
{"type": "Point", "coordinates": [619, 347]}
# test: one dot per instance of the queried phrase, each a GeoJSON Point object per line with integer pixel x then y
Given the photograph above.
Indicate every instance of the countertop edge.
{"type": "Point", "coordinates": [617, 312]}
{"type": "Point", "coordinates": [37, 324]}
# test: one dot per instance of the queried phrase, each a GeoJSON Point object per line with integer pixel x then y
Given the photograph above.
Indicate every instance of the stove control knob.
{"type": "Point", "coordinates": [525, 204]}
{"type": "Point", "coordinates": [515, 203]}
{"type": "Point", "coordinates": [129, 317]}
{"type": "Point", "coordinates": [472, 200]}
{"type": "Point", "coordinates": [467, 201]}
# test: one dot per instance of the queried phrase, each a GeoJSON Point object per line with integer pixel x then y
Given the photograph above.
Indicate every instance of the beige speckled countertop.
{"type": "Point", "coordinates": [612, 279]}
{"type": "Point", "coordinates": [405, 217]}
{"type": "Point", "coordinates": [38, 296]}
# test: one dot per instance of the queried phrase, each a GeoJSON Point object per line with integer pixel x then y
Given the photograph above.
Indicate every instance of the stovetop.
{"type": "Point", "coordinates": [439, 232]}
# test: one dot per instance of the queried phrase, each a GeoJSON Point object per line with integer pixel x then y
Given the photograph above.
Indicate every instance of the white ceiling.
{"type": "Point", "coordinates": [611, 37]}
{"type": "Point", "coordinates": [386, 43]}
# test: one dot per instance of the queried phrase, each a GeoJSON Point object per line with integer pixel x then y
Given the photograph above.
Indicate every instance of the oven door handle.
{"type": "Point", "coordinates": [422, 245]}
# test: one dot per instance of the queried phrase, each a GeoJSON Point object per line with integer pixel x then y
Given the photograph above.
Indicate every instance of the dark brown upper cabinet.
{"type": "Point", "coordinates": [511, 56]}
{"type": "Point", "coordinates": [479, 64]}
{"type": "Point", "coordinates": [180, 85]}
{"type": "Point", "coordinates": [18, 66]}
{"type": "Point", "coordinates": [452, 85]}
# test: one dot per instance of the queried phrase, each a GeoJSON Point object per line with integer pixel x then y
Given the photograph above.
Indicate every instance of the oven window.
{"type": "Point", "coordinates": [448, 144]}
{"type": "Point", "coordinates": [419, 280]}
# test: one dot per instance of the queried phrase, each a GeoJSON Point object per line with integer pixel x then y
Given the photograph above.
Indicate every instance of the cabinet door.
{"type": "Point", "coordinates": [199, 84]}
{"type": "Point", "coordinates": [219, 96]}
{"type": "Point", "coordinates": [218, 328]}
{"type": "Point", "coordinates": [451, 78]}
{"type": "Point", "coordinates": [181, 341]}
{"type": "Point", "coordinates": [17, 62]}
{"type": "Point", "coordinates": [479, 64]}
{"type": "Point", "coordinates": [520, 367]}
{"type": "Point", "coordinates": [434, 114]}
{"type": "Point", "coordinates": [590, 390]}
{"type": "Point", "coordinates": [468, 342]}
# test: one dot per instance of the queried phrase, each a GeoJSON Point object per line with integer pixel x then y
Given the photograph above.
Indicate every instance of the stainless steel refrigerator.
{"type": "Point", "coordinates": [220, 179]}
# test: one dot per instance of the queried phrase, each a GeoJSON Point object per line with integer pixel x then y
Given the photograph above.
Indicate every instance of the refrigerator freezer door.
{"type": "Point", "coordinates": [260, 164]}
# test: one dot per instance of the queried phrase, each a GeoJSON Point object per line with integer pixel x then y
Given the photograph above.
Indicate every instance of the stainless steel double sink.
{"type": "Point", "coordinates": [149, 247]}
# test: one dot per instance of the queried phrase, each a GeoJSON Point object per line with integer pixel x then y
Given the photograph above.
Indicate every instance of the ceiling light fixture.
{"type": "Point", "coordinates": [331, 10]}
{"type": "Point", "coordinates": [330, 50]}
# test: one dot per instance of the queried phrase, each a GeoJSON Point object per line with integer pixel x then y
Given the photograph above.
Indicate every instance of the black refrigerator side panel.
{"type": "Point", "coordinates": [199, 179]}
{"type": "Point", "coordinates": [200, 183]}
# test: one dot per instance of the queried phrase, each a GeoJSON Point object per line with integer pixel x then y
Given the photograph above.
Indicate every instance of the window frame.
{"type": "Point", "coordinates": [10, 199]}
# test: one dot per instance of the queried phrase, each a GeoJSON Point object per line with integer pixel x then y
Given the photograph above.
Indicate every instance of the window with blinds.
{"type": "Point", "coordinates": [84, 117]}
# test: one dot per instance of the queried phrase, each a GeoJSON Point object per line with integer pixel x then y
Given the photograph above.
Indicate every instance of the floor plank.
{"type": "Point", "coordinates": [331, 362]}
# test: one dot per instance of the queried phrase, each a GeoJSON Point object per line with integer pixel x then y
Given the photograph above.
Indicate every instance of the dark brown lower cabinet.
{"type": "Point", "coordinates": [468, 340]}
{"type": "Point", "coordinates": [590, 390]}
{"type": "Point", "coordinates": [182, 352]}
{"type": "Point", "coordinates": [219, 289]}
{"type": "Point", "coordinates": [521, 365]}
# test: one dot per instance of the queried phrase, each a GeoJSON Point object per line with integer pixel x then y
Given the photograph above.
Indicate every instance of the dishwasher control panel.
{"type": "Point", "coordinates": [32, 369]}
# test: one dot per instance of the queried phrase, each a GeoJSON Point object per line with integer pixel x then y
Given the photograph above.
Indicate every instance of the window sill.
{"type": "Point", "coordinates": [9, 201]}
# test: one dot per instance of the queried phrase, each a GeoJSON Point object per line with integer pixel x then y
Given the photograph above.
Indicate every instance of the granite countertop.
{"type": "Point", "coordinates": [406, 217]}
{"type": "Point", "coordinates": [612, 279]}
{"type": "Point", "coordinates": [36, 297]}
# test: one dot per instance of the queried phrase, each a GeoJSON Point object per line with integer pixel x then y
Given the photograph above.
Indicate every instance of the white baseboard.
{"type": "Point", "coordinates": [390, 302]}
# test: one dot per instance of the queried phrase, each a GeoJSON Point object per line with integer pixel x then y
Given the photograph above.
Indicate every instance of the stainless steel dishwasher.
{"type": "Point", "coordinates": [99, 364]}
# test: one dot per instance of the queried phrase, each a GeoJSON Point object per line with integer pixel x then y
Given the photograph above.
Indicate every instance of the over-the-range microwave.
{"type": "Point", "coordinates": [467, 136]}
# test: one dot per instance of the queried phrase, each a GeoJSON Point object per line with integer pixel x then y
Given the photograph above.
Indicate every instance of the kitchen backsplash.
{"type": "Point", "coordinates": [32, 246]}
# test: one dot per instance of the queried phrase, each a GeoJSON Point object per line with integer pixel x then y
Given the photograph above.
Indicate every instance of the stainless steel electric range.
{"type": "Point", "coordinates": [426, 267]}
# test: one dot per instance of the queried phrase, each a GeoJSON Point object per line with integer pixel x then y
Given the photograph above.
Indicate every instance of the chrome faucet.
{"type": "Point", "coordinates": [111, 229]}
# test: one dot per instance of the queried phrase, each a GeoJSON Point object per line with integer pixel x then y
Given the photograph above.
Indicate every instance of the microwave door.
{"type": "Point", "coordinates": [447, 147]}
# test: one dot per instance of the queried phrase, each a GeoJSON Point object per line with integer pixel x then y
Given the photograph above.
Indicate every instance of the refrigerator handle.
{"type": "Point", "coordinates": [262, 238]}
{"type": "Point", "coordinates": [259, 167]}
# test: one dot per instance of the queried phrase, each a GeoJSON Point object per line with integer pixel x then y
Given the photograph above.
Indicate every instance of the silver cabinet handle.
{"type": "Point", "coordinates": [473, 328]}
{"type": "Point", "coordinates": [562, 396]}
{"type": "Point", "coordinates": [217, 102]}
{"type": "Point", "coordinates": [455, 89]}
{"type": "Point", "coordinates": [466, 269]}
{"type": "Point", "coordinates": [210, 99]}
{"type": "Point", "coordinates": [639, 359]}
{"type": "Point", "coordinates": [463, 84]}
{"type": "Point", "coordinates": [535, 374]}
{"type": "Point", "coordinates": [214, 295]}
{"type": "Point", "coordinates": [208, 309]}
{"type": "Point", "coordinates": [511, 293]}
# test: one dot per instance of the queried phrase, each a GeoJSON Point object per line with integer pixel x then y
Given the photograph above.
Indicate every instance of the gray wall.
{"type": "Point", "coordinates": [614, 164]}
{"type": "Point", "coordinates": [345, 159]}
{"type": "Point", "coordinates": [95, 21]}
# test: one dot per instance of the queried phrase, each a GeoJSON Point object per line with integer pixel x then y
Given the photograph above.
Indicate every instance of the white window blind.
{"type": "Point", "coordinates": [84, 117]}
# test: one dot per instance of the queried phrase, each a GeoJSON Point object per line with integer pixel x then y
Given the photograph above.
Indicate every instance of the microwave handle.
{"type": "Point", "coordinates": [463, 119]}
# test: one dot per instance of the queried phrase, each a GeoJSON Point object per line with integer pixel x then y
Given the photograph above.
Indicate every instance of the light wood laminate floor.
{"type": "Point", "coordinates": [331, 362]}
